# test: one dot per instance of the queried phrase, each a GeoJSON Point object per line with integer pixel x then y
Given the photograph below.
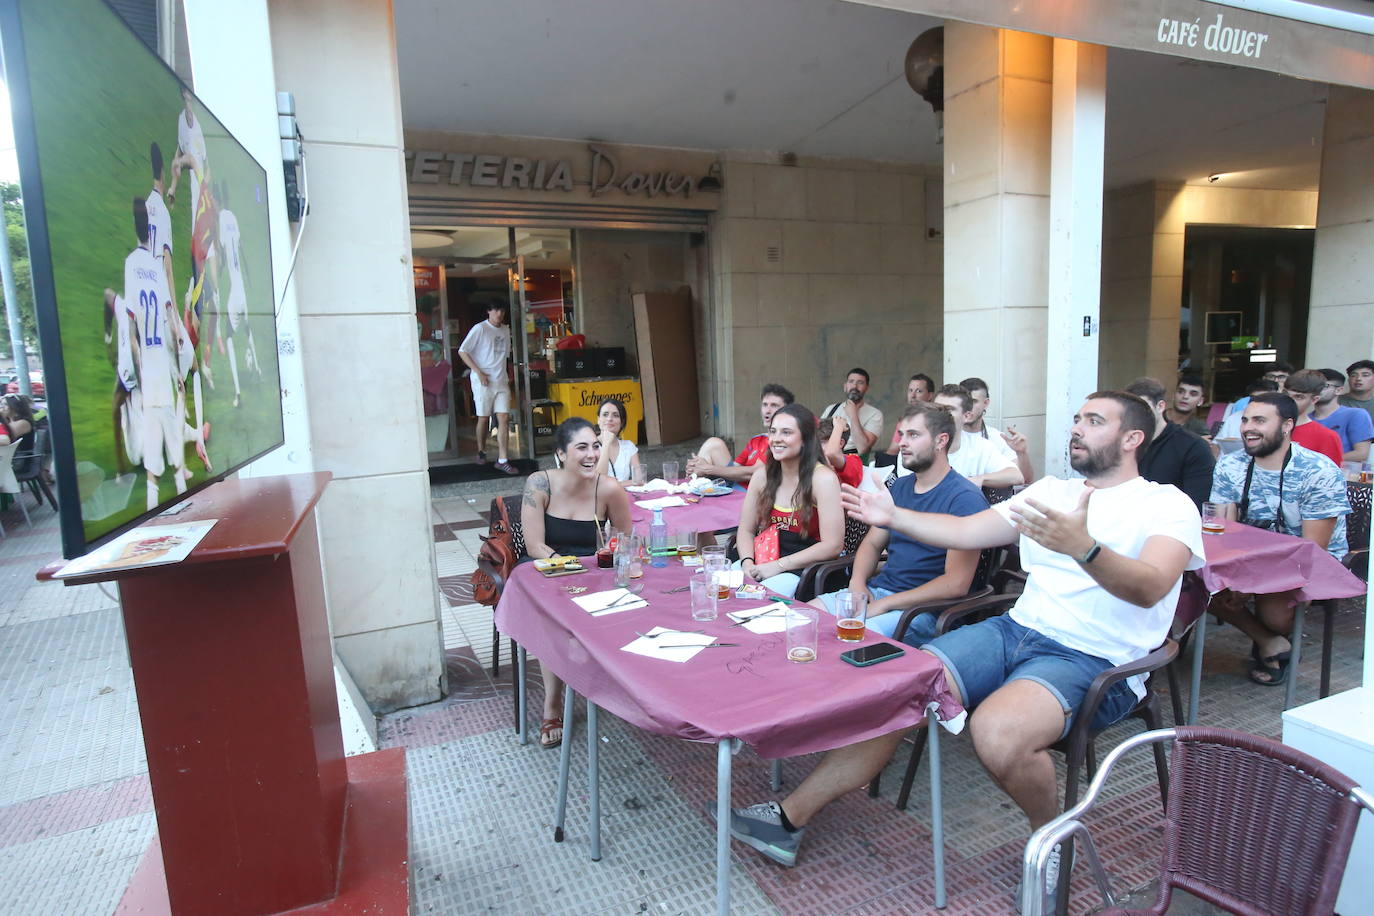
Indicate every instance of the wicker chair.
{"type": "Point", "coordinates": [1252, 826]}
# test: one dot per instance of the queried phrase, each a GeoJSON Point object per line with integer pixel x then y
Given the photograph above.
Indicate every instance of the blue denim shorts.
{"type": "Point", "coordinates": [984, 656]}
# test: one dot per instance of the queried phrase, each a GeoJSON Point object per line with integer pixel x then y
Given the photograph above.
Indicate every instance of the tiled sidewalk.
{"type": "Point", "coordinates": [76, 815]}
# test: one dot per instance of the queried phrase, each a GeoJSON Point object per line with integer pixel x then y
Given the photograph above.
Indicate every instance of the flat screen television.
{"type": "Point", "coordinates": [152, 274]}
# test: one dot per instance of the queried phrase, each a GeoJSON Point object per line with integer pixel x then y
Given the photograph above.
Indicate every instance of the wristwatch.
{"type": "Point", "coordinates": [1091, 555]}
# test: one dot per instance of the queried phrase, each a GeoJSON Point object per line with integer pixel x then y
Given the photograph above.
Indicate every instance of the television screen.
{"type": "Point", "coordinates": [152, 273]}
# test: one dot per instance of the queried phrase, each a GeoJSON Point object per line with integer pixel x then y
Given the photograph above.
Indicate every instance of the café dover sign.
{"type": "Point", "coordinates": [595, 170]}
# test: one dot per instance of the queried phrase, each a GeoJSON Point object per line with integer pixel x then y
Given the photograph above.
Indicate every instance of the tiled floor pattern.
{"type": "Point", "coordinates": [75, 809]}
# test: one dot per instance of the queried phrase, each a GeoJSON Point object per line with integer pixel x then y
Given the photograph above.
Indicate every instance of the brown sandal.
{"type": "Point", "coordinates": [546, 730]}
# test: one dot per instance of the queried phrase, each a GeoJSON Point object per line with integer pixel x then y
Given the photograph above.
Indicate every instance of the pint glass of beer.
{"type": "Point", "coordinates": [851, 612]}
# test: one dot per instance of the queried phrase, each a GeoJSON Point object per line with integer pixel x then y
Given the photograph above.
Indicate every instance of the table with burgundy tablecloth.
{"type": "Point", "coordinates": [747, 695]}
{"type": "Point", "coordinates": [708, 513]}
{"type": "Point", "coordinates": [1258, 561]}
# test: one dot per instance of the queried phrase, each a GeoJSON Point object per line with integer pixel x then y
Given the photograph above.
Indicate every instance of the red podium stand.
{"type": "Point", "coordinates": [235, 678]}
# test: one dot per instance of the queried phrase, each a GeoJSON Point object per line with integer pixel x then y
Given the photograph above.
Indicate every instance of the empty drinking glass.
{"type": "Point", "coordinates": [670, 469]}
{"type": "Point", "coordinates": [803, 622]}
{"type": "Point", "coordinates": [703, 600]}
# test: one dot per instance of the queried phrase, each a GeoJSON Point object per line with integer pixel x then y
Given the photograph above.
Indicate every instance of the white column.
{"type": "Point", "coordinates": [1078, 105]}
{"type": "Point", "coordinates": [358, 343]}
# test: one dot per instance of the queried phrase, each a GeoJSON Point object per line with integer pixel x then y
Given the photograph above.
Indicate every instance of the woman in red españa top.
{"type": "Point", "coordinates": [796, 492]}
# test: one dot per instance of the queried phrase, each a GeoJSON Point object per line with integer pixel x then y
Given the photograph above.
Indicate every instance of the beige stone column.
{"type": "Point", "coordinates": [1340, 326]}
{"type": "Point", "coordinates": [997, 206]}
{"type": "Point", "coordinates": [358, 344]}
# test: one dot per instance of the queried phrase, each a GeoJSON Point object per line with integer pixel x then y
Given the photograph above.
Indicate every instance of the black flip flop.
{"type": "Point", "coordinates": [1274, 667]}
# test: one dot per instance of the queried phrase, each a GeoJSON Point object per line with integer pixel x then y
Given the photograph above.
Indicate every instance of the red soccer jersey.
{"type": "Point", "coordinates": [1319, 439]}
{"type": "Point", "coordinates": [755, 452]}
{"type": "Point", "coordinates": [853, 471]}
{"type": "Point", "coordinates": [203, 229]}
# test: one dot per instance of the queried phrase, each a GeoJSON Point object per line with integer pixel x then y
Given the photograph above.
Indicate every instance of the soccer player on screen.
{"type": "Point", "coordinates": [127, 400]}
{"type": "Point", "coordinates": [190, 150]}
{"type": "Point", "coordinates": [237, 305]}
{"type": "Point", "coordinates": [155, 331]}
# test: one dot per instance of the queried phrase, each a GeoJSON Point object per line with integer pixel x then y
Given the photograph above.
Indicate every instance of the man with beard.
{"type": "Point", "coordinates": [916, 571]}
{"type": "Point", "coordinates": [1105, 557]}
{"type": "Point", "coordinates": [1277, 484]}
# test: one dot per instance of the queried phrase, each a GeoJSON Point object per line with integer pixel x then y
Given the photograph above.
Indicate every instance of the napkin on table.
{"type": "Point", "coordinates": [775, 622]}
{"type": "Point", "coordinates": [598, 603]}
{"type": "Point", "coordinates": [652, 649]}
{"type": "Point", "coordinates": [663, 502]}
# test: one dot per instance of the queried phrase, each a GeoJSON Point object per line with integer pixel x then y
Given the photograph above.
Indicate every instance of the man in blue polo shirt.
{"type": "Point", "coordinates": [1350, 423]}
{"type": "Point", "coordinates": [915, 571]}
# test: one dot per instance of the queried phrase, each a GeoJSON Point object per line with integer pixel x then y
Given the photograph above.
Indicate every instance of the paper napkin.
{"type": "Point", "coordinates": [600, 603]}
{"type": "Point", "coordinates": [774, 622]}
{"type": "Point", "coordinates": [652, 648]}
{"type": "Point", "coordinates": [663, 502]}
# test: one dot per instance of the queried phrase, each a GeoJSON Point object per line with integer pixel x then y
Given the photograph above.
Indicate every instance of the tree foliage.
{"type": "Point", "coordinates": [19, 260]}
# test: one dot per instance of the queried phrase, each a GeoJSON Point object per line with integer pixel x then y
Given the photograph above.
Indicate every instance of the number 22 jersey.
{"type": "Point", "coordinates": [146, 296]}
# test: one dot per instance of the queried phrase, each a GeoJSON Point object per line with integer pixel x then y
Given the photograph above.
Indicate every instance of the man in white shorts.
{"type": "Point", "coordinates": [237, 305]}
{"type": "Point", "coordinates": [485, 351]}
{"type": "Point", "coordinates": [156, 340]}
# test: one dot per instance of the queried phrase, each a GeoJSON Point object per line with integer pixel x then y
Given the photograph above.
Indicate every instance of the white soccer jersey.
{"type": "Point", "coordinates": [147, 296]}
{"type": "Point", "coordinates": [125, 368]}
{"type": "Point", "coordinates": [229, 241]}
{"type": "Point", "coordinates": [191, 140]}
{"type": "Point", "coordinates": [159, 223]}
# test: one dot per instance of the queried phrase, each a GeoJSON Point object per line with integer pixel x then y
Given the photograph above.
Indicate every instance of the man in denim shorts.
{"type": "Point", "coordinates": [1105, 557]}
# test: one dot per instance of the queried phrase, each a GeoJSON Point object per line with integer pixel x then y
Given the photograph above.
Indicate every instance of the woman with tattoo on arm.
{"type": "Point", "coordinates": [559, 513]}
{"type": "Point", "coordinates": [793, 491]}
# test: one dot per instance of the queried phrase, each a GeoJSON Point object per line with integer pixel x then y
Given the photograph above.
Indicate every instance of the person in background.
{"type": "Point", "coordinates": [1230, 424]}
{"type": "Point", "coordinates": [796, 494]}
{"type": "Point", "coordinates": [1305, 387]}
{"type": "Point", "coordinates": [847, 467]}
{"type": "Point", "coordinates": [1361, 380]}
{"type": "Point", "coordinates": [1188, 398]}
{"type": "Point", "coordinates": [1350, 423]}
{"type": "Point", "coordinates": [976, 458]}
{"type": "Point", "coordinates": [921, 389]}
{"type": "Point", "coordinates": [1279, 485]}
{"type": "Point", "coordinates": [713, 459]}
{"type": "Point", "coordinates": [1173, 455]}
{"type": "Point", "coordinates": [865, 421]}
{"type": "Point", "coordinates": [619, 457]}
{"type": "Point", "coordinates": [1011, 443]}
{"type": "Point", "coordinates": [485, 351]}
{"type": "Point", "coordinates": [560, 512]}
{"type": "Point", "coordinates": [1278, 373]}
{"type": "Point", "coordinates": [916, 572]}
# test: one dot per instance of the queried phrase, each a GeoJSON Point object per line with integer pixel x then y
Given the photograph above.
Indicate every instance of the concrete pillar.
{"type": "Point", "coordinates": [358, 345]}
{"type": "Point", "coordinates": [997, 214]}
{"type": "Point", "coordinates": [1340, 326]}
{"type": "Point", "coordinates": [1079, 103]}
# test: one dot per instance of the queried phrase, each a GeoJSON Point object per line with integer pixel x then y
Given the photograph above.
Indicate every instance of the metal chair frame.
{"type": "Point", "coordinates": [1069, 827]}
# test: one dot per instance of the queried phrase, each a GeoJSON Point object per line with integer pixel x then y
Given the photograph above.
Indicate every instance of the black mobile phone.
{"type": "Point", "coordinates": [864, 656]}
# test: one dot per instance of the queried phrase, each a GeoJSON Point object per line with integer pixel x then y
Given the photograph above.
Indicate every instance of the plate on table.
{"type": "Point", "coordinates": [717, 488]}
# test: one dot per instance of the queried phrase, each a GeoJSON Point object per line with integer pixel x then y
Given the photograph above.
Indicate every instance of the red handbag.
{"type": "Point", "coordinates": [766, 546]}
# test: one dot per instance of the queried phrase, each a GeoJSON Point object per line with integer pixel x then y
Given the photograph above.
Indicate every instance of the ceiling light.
{"type": "Point", "coordinates": [424, 239]}
{"type": "Point", "coordinates": [1215, 177]}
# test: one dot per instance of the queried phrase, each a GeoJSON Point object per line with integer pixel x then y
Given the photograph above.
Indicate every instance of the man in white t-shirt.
{"type": "Point", "coordinates": [484, 351]}
{"type": "Point", "coordinates": [156, 343]}
{"type": "Point", "coordinates": [1105, 557]}
{"type": "Point", "coordinates": [976, 458]}
{"type": "Point", "coordinates": [865, 422]}
{"type": "Point", "coordinates": [1011, 443]}
{"type": "Point", "coordinates": [191, 150]}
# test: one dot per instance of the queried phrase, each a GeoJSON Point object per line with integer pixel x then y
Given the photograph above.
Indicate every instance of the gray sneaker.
{"type": "Point", "coordinates": [760, 826]}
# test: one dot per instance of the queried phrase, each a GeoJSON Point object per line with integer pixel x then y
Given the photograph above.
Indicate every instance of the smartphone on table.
{"type": "Point", "coordinates": [864, 656]}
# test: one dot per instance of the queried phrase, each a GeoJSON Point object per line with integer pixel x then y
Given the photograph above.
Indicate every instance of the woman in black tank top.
{"type": "Point", "coordinates": [560, 513]}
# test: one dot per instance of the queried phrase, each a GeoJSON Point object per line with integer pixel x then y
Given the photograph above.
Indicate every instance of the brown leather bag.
{"type": "Point", "coordinates": [502, 547]}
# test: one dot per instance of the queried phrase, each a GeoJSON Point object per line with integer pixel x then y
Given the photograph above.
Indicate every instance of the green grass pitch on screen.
{"type": "Point", "coordinates": [88, 80]}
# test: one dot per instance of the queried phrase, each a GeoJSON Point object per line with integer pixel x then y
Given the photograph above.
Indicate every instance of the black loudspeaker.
{"type": "Point", "coordinates": [574, 364]}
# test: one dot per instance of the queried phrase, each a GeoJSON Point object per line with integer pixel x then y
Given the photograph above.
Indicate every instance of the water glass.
{"type": "Point", "coordinates": [1212, 520]}
{"type": "Point", "coordinates": [851, 611]}
{"type": "Point", "coordinates": [703, 600]}
{"type": "Point", "coordinates": [715, 571]}
{"type": "Point", "coordinates": [670, 469]}
{"type": "Point", "coordinates": [803, 623]}
{"type": "Point", "coordinates": [637, 475]}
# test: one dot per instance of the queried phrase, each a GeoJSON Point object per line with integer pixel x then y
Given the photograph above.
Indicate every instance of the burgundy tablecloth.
{"type": "Point", "coordinates": [753, 693]}
{"type": "Point", "coordinates": [1253, 560]}
{"type": "Point", "coordinates": [713, 513]}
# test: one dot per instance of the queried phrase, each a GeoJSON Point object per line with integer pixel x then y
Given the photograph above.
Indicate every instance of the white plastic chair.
{"type": "Point", "coordinates": [8, 482]}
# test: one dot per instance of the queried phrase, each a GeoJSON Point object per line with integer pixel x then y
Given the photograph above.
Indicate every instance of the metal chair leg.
{"type": "Point", "coordinates": [909, 778]}
{"type": "Point", "coordinates": [1328, 638]}
{"type": "Point", "coordinates": [495, 651]}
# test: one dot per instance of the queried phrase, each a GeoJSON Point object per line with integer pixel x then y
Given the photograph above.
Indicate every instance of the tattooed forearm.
{"type": "Point", "coordinates": [536, 493]}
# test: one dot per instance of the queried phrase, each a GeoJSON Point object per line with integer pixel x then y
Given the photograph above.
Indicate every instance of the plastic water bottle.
{"type": "Point", "coordinates": [658, 540]}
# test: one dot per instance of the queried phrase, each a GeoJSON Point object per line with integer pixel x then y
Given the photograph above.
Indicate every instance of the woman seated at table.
{"type": "Point", "coordinates": [795, 493]}
{"type": "Point", "coordinates": [16, 420]}
{"type": "Point", "coordinates": [619, 457]}
{"type": "Point", "coordinates": [560, 513]}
